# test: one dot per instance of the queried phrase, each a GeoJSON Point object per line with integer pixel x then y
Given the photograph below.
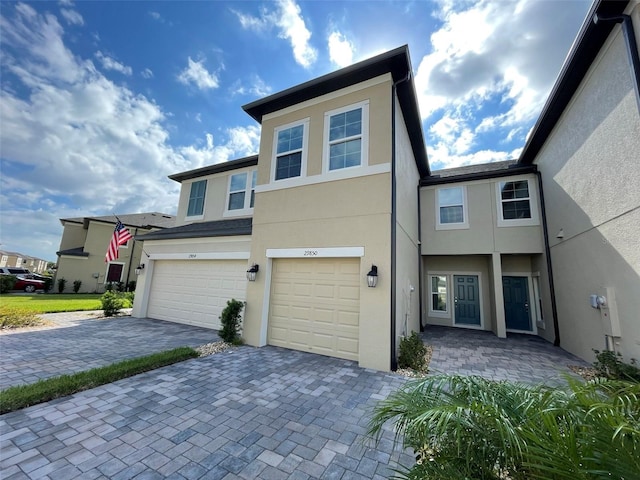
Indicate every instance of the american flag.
{"type": "Point", "coordinates": [120, 236]}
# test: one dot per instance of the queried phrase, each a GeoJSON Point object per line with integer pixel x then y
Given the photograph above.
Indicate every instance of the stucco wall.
{"type": "Point", "coordinates": [590, 169]}
{"type": "Point", "coordinates": [73, 236]}
{"type": "Point", "coordinates": [483, 235]}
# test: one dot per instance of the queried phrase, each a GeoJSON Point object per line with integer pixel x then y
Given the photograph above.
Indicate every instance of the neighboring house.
{"type": "Point", "coordinates": [341, 184]}
{"type": "Point", "coordinates": [84, 244]}
{"type": "Point", "coordinates": [19, 260]}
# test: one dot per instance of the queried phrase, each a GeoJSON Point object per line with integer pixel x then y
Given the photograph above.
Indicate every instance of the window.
{"type": "Point", "coordinates": [516, 203]}
{"type": "Point", "coordinates": [196, 198]}
{"type": "Point", "coordinates": [438, 302]}
{"type": "Point", "coordinates": [451, 208]}
{"type": "Point", "coordinates": [346, 137]}
{"type": "Point", "coordinates": [241, 192]}
{"type": "Point", "coordinates": [289, 151]}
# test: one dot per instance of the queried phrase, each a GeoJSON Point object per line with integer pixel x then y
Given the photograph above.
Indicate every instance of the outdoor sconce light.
{"type": "Point", "coordinates": [372, 276]}
{"type": "Point", "coordinates": [139, 269]}
{"type": "Point", "coordinates": [251, 273]}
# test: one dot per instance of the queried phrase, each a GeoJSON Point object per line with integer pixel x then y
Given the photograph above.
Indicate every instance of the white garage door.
{"type": "Point", "coordinates": [315, 305]}
{"type": "Point", "coordinates": [195, 292]}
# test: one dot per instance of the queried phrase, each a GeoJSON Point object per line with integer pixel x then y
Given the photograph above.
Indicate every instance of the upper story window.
{"type": "Point", "coordinates": [290, 151]}
{"type": "Point", "coordinates": [196, 198]}
{"type": "Point", "coordinates": [516, 203]}
{"type": "Point", "coordinates": [451, 208]}
{"type": "Point", "coordinates": [241, 192]}
{"type": "Point", "coordinates": [346, 137]}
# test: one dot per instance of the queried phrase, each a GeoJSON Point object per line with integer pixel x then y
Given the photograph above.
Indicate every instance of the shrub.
{"type": "Point", "coordinates": [112, 303]}
{"type": "Point", "coordinates": [7, 283]}
{"type": "Point", "coordinates": [131, 286]}
{"type": "Point", "coordinates": [48, 283]}
{"type": "Point", "coordinates": [62, 283]}
{"type": "Point", "coordinates": [472, 428]}
{"type": "Point", "coordinates": [76, 285]}
{"type": "Point", "coordinates": [128, 299]}
{"type": "Point", "coordinates": [11, 317]}
{"type": "Point", "coordinates": [610, 365]}
{"type": "Point", "coordinates": [412, 353]}
{"type": "Point", "coordinates": [230, 319]}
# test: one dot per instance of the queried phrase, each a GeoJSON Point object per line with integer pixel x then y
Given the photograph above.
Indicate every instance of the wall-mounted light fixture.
{"type": "Point", "coordinates": [372, 276]}
{"type": "Point", "coordinates": [560, 234]}
{"type": "Point", "coordinates": [139, 269]}
{"type": "Point", "coordinates": [251, 273]}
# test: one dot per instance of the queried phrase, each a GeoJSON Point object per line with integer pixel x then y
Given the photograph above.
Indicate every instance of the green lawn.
{"type": "Point", "coordinates": [50, 303]}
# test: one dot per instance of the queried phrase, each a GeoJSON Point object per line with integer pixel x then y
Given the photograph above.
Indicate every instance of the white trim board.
{"type": "Point", "coordinates": [315, 252]}
{"type": "Point", "coordinates": [200, 256]}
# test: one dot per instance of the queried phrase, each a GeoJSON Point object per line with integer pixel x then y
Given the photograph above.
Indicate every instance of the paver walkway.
{"type": "Point", "coordinates": [266, 413]}
{"type": "Point", "coordinates": [523, 358]}
{"type": "Point", "coordinates": [82, 342]}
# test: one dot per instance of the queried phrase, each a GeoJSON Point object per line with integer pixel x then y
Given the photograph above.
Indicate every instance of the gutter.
{"type": "Point", "coordinates": [632, 47]}
{"type": "Point", "coordinates": [547, 252]}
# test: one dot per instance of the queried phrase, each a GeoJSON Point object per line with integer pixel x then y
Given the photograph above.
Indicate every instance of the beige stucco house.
{"type": "Point", "coordinates": [20, 260]}
{"type": "Point", "coordinates": [84, 244]}
{"type": "Point", "coordinates": [341, 187]}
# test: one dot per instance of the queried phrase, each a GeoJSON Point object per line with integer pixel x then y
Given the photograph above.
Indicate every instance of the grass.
{"type": "Point", "coordinates": [51, 303]}
{"type": "Point", "coordinates": [22, 396]}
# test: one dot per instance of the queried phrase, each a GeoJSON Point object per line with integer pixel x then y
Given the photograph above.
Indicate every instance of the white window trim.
{"type": "Point", "coordinates": [465, 211]}
{"type": "Point", "coordinates": [247, 196]}
{"type": "Point", "coordinates": [305, 150]}
{"type": "Point", "coordinates": [438, 313]}
{"type": "Point", "coordinates": [364, 136]}
{"type": "Point", "coordinates": [106, 273]}
{"type": "Point", "coordinates": [204, 201]}
{"type": "Point", "coordinates": [533, 204]}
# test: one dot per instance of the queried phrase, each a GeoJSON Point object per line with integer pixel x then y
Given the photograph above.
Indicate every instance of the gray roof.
{"type": "Point", "coordinates": [477, 172]}
{"type": "Point", "coordinates": [74, 252]}
{"type": "Point", "coordinates": [218, 228]}
{"type": "Point", "coordinates": [217, 168]}
{"type": "Point", "coordinates": [141, 220]}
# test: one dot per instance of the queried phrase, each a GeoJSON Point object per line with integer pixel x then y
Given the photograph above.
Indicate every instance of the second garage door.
{"type": "Point", "coordinates": [195, 291]}
{"type": "Point", "coordinates": [315, 305]}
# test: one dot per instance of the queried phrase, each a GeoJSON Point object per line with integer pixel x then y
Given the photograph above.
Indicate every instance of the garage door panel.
{"type": "Point", "coordinates": [315, 306]}
{"type": "Point", "coordinates": [195, 292]}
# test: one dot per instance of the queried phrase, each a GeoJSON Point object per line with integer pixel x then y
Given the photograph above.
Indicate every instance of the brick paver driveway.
{"type": "Point", "coordinates": [248, 413]}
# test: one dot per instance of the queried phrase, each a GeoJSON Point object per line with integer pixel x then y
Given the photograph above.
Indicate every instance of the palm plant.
{"type": "Point", "coordinates": [472, 428]}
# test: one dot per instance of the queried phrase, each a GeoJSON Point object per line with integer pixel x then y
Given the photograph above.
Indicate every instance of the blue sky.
{"type": "Point", "coordinates": [100, 101]}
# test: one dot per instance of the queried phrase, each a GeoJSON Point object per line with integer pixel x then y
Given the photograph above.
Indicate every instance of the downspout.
{"type": "Point", "coordinates": [420, 286]}
{"type": "Point", "coordinates": [547, 252]}
{"type": "Point", "coordinates": [133, 251]}
{"type": "Point", "coordinates": [632, 47]}
{"type": "Point", "coordinates": [394, 359]}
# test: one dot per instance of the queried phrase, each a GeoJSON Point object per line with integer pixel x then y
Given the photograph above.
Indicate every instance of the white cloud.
{"type": "Point", "coordinates": [257, 88]}
{"type": "Point", "coordinates": [287, 18]}
{"type": "Point", "coordinates": [74, 143]}
{"type": "Point", "coordinates": [340, 49]}
{"type": "Point", "coordinates": [72, 16]}
{"type": "Point", "coordinates": [109, 63]}
{"type": "Point", "coordinates": [147, 73]}
{"type": "Point", "coordinates": [490, 53]}
{"type": "Point", "coordinates": [197, 74]}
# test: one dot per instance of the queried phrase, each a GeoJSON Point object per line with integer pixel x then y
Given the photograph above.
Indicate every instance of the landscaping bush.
{"type": "Point", "coordinates": [112, 303]}
{"type": "Point", "coordinates": [412, 353]}
{"type": "Point", "coordinates": [128, 299]}
{"type": "Point", "coordinates": [12, 317]}
{"type": "Point", "coordinates": [62, 283]}
{"type": "Point", "coordinates": [7, 282]}
{"type": "Point", "coordinates": [230, 319]}
{"type": "Point", "coordinates": [611, 365]}
{"type": "Point", "coordinates": [48, 283]}
{"type": "Point", "coordinates": [471, 428]}
{"type": "Point", "coordinates": [131, 286]}
{"type": "Point", "coordinates": [76, 285]}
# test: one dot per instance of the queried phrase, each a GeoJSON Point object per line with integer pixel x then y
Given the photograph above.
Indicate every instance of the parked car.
{"type": "Point", "coordinates": [14, 271]}
{"type": "Point", "coordinates": [27, 284]}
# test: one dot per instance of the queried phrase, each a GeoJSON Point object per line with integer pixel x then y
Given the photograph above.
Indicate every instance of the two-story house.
{"type": "Point", "coordinates": [84, 244]}
{"type": "Point", "coordinates": [351, 241]}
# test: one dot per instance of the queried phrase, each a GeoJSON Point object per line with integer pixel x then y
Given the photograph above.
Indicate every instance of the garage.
{"type": "Point", "coordinates": [315, 305]}
{"type": "Point", "coordinates": [195, 291]}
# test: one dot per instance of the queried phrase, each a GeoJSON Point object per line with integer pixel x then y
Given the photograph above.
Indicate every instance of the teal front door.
{"type": "Point", "coordinates": [466, 300]}
{"type": "Point", "coordinates": [516, 303]}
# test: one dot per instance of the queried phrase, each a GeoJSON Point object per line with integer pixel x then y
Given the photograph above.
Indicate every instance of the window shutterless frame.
{"type": "Point", "coordinates": [240, 193]}
{"type": "Point", "coordinates": [197, 193]}
{"type": "Point", "coordinates": [290, 146]}
{"type": "Point", "coordinates": [451, 208]}
{"type": "Point", "coordinates": [517, 202]}
{"type": "Point", "coordinates": [346, 137]}
{"type": "Point", "coordinates": [439, 295]}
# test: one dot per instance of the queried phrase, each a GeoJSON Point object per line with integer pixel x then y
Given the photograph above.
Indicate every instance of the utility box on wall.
{"type": "Point", "coordinates": [609, 313]}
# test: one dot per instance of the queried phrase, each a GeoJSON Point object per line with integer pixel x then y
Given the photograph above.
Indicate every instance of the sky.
{"type": "Point", "coordinates": [101, 100]}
